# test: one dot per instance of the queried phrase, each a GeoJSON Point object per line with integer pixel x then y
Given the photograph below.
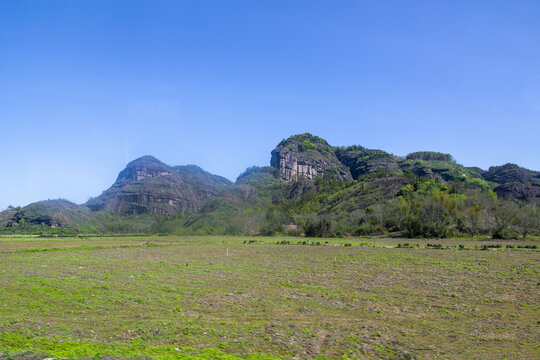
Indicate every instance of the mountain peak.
{"type": "Point", "coordinates": [144, 167]}
{"type": "Point", "coordinates": [147, 185]}
{"type": "Point", "coordinates": [307, 156]}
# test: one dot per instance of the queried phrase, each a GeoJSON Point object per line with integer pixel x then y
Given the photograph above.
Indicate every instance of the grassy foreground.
{"type": "Point", "coordinates": [231, 297]}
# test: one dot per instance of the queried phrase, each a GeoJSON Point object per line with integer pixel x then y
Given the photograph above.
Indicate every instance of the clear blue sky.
{"type": "Point", "coordinates": [87, 86]}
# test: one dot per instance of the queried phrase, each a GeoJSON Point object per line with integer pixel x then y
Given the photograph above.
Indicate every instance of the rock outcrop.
{"type": "Point", "coordinates": [515, 182]}
{"type": "Point", "coordinates": [519, 191]}
{"type": "Point", "coordinates": [307, 156]}
{"type": "Point", "coordinates": [143, 168]}
{"type": "Point", "coordinates": [147, 185]}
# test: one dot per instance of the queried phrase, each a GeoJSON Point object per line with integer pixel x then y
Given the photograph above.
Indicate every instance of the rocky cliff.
{"type": "Point", "coordinates": [307, 156]}
{"type": "Point", "coordinates": [147, 185]}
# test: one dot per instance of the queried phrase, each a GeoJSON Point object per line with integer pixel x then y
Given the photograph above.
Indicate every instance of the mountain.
{"type": "Point", "coordinates": [310, 187]}
{"type": "Point", "coordinates": [148, 186]}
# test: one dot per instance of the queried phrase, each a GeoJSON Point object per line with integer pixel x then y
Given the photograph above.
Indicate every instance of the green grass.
{"type": "Point", "coordinates": [232, 297]}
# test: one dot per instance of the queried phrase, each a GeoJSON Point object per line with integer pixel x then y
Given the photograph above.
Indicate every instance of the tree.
{"type": "Point", "coordinates": [526, 220]}
{"type": "Point", "coordinates": [321, 228]}
{"type": "Point", "coordinates": [504, 213]}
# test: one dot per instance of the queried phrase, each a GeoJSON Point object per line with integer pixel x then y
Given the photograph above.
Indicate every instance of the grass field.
{"type": "Point", "coordinates": [228, 297]}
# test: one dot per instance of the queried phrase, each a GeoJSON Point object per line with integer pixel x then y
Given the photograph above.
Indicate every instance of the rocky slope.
{"type": "Point", "coordinates": [307, 156]}
{"type": "Point", "coordinates": [306, 173]}
{"type": "Point", "coordinates": [148, 186]}
{"type": "Point", "coordinates": [514, 182]}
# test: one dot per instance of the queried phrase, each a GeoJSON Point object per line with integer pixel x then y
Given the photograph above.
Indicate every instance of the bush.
{"type": "Point", "coordinates": [321, 228]}
{"type": "Point", "coordinates": [307, 145]}
{"type": "Point", "coordinates": [429, 156]}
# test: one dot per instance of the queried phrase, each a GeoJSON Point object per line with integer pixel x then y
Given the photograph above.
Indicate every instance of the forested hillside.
{"type": "Point", "coordinates": [310, 189]}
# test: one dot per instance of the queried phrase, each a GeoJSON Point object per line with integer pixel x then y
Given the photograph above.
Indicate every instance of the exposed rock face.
{"type": "Point", "coordinates": [147, 185]}
{"type": "Point", "coordinates": [307, 156]}
{"type": "Point", "coordinates": [144, 167]}
{"type": "Point", "coordinates": [427, 173]}
{"type": "Point", "coordinates": [519, 191]}
{"type": "Point", "coordinates": [288, 164]}
{"type": "Point", "coordinates": [22, 217]}
{"type": "Point", "coordinates": [6, 215]}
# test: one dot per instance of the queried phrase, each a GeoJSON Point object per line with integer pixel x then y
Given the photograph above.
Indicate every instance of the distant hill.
{"type": "Point", "coordinates": [514, 182]}
{"type": "Point", "coordinates": [309, 188]}
{"type": "Point", "coordinates": [60, 215]}
{"type": "Point", "coordinates": [148, 186]}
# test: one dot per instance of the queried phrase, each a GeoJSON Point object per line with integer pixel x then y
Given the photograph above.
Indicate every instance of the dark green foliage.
{"type": "Point", "coordinates": [311, 141]}
{"type": "Point", "coordinates": [510, 173]}
{"type": "Point", "coordinates": [319, 228]}
{"type": "Point", "coordinates": [362, 161]}
{"type": "Point", "coordinates": [412, 207]}
{"type": "Point", "coordinates": [429, 156]}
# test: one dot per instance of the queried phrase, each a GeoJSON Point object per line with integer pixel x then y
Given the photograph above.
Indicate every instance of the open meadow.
{"type": "Point", "coordinates": [167, 297]}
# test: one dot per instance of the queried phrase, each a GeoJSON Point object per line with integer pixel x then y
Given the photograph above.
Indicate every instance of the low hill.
{"type": "Point", "coordinates": [514, 182]}
{"type": "Point", "coordinates": [51, 214]}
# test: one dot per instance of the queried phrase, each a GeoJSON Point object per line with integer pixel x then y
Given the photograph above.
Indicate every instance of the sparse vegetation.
{"type": "Point", "coordinates": [165, 297]}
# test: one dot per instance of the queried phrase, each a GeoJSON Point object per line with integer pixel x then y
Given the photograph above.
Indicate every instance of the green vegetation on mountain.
{"type": "Point", "coordinates": [512, 173]}
{"type": "Point", "coordinates": [312, 189]}
{"type": "Point", "coordinates": [429, 156]}
{"type": "Point", "coordinates": [362, 161]}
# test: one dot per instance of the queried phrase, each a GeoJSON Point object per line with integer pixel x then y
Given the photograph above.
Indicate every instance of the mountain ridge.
{"type": "Point", "coordinates": [335, 180]}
